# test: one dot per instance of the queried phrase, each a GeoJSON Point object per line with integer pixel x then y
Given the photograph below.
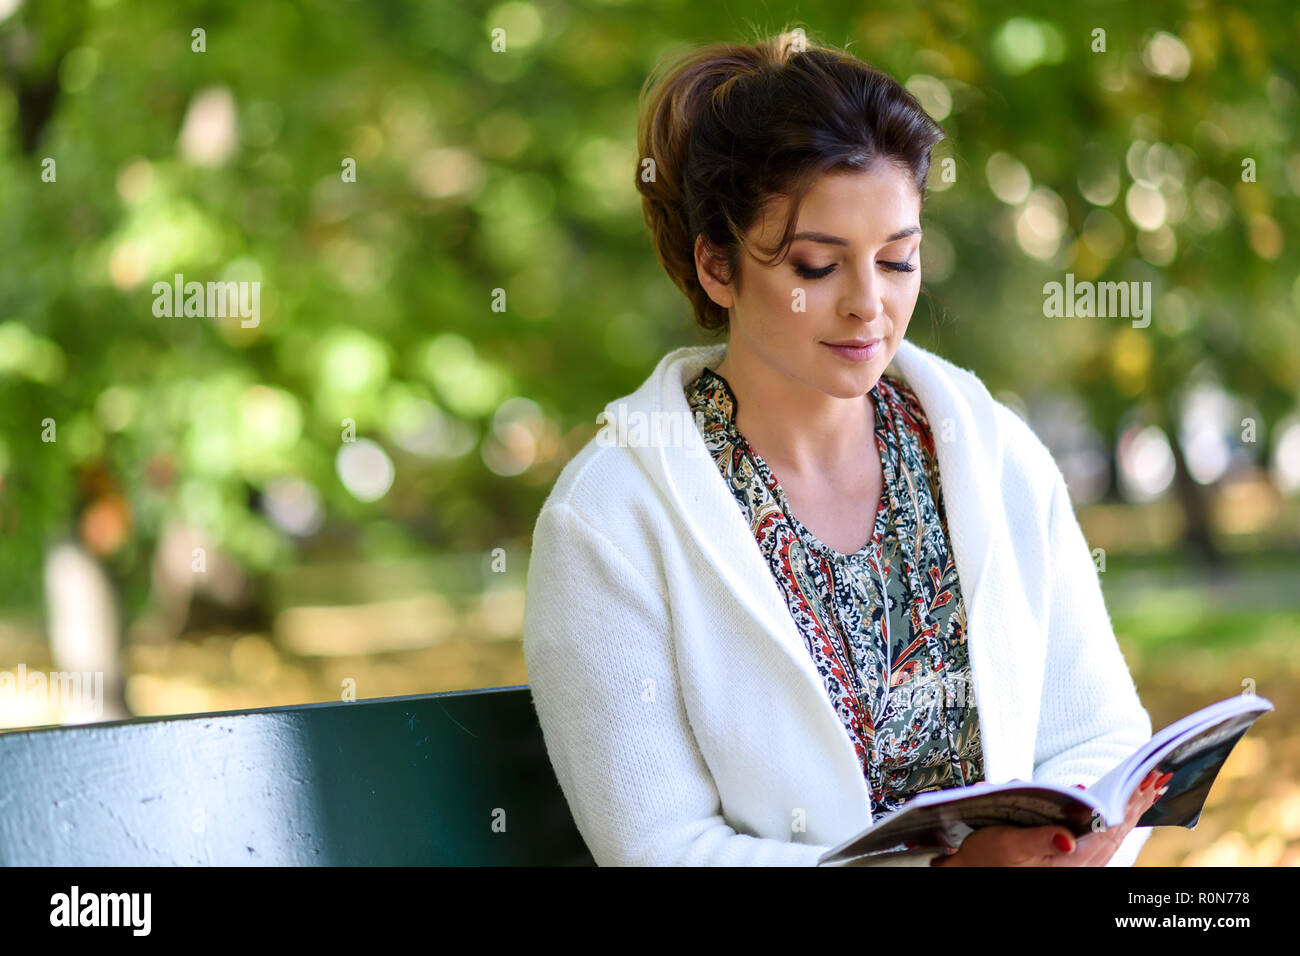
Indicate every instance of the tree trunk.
{"type": "Point", "coordinates": [1194, 498]}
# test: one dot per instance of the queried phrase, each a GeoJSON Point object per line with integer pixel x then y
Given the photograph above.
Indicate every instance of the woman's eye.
{"type": "Point", "coordinates": [809, 273]}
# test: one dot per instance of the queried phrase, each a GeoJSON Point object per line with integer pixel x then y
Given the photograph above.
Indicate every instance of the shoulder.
{"type": "Point", "coordinates": [1021, 446]}
{"type": "Point", "coordinates": [603, 493]}
{"type": "Point", "coordinates": [1004, 447]}
{"type": "Point", "coordinates": [599, 480]}
{"type": "Point", "coordinates": [1010, 437]}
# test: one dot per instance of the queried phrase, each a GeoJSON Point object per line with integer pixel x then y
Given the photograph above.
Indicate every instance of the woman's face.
{"type": "Point", "coordinates": [853, 272]}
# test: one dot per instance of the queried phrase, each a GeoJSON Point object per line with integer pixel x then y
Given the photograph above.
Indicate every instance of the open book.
{"type": "Point", "coordinates": [1193, 749]}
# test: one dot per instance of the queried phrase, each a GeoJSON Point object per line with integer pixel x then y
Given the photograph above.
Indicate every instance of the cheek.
{"type": "Point", "coordinates": [783, 298]}
{"type": "Point", "coordinates": [906, 293]}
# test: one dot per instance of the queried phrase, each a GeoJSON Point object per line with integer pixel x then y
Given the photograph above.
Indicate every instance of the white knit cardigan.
{"type": "Point", "coordinates": [682, 711]}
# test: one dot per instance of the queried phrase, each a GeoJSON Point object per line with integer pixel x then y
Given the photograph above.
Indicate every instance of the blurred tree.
{"type": "Point", "coordinates": [391, 181]}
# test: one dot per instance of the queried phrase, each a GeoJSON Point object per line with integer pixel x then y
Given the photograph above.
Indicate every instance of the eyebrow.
{"type": "Point", "coordinates": [839, 241]}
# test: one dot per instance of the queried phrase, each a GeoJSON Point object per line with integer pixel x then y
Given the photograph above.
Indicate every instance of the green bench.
{"type": "Point", "coordinates": [457, 778]}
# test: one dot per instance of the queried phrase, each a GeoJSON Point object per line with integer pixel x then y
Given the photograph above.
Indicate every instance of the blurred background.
{"type": "Point", "coordinates": [435, 202]}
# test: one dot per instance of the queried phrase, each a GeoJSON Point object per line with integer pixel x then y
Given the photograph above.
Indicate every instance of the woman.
{"type": "Point", "coordinates": [785, 590]}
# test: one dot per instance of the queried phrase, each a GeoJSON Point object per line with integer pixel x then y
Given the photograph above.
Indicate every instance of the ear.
{"type": "Point", "coordinates": [709, 269]}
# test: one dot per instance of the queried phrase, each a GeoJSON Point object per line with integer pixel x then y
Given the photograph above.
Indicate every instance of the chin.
{"type": "Point", "coordinates": [853, 386]}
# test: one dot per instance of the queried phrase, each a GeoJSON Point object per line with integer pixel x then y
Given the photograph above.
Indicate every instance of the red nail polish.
{"type": "Point", "coordinates": [1063, 843]}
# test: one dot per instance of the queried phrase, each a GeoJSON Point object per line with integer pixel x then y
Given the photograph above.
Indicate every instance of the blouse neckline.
{"type": "Point", "coordinates": [729, 406]}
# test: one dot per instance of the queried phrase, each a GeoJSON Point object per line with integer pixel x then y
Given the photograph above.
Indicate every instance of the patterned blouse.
{"type": "Point", "coordinates": [922, 732]}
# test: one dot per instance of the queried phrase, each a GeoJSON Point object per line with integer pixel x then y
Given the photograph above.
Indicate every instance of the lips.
{"type": "Point", "coordinates": [854, 343]}
{"type": "Point", "coordinates": [856, 350]}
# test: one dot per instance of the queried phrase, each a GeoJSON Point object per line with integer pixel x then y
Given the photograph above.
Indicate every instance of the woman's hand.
{"type": "Point", "coordinates": [1054, 845]}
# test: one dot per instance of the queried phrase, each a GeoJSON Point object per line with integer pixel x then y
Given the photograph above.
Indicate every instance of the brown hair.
{"type": "Point", "coordinates": [732, 126]}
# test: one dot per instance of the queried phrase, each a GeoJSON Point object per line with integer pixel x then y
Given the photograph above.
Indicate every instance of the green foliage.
{"type": "Point", "coordinates": [479, 171]}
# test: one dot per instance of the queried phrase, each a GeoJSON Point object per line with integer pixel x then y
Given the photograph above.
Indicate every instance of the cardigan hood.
{"type": "Point", "coordinates": [1054, 698]}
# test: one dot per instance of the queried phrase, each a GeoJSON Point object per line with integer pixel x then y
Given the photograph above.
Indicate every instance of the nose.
{"type": "Point", "coordinates": [862, 293]}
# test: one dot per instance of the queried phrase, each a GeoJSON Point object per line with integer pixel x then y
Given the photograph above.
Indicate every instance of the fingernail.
{"type": "Point", "coordinates": [1063, 843]}
{"type": "Point", "coordinates": [1164, 779]}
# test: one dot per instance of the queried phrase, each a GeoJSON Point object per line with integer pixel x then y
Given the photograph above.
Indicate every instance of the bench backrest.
{"type": "Point", "coordinates": [435, 779]}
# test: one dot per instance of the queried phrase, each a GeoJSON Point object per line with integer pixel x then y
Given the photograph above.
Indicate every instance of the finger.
{"type": "Point", "coordinates": [1161, 787]}
{"type": "Point", "coordinates": [1148, 784]}
{"type": "Point", "coordinates": [1139, 801]}
{"type": "Point", "coordinates": [1145, 789]}
{"type": "Point", "coordinates": [1155, 780]}
{"type": "Point", "coordinates": [1134, 813]}
{"type": "Point", "coordinates": [1142, 800]}
{"type": "Point", "coordinates": [1072, 858]}
{"type": "Point", "coordinates": [1149, 799]}
{"type": "Point", "coordinates": [1004, 845]}
{"type": "Point", "coordinates": [1103, 844]}
{"type": "Point", "coordinates": [1086, 852]}
{"type": "Point", "coordinates": [1094, 848]}
{"type": "Point", "coordinates": [1054, 841]}
{"type": "Point", "coordinates": [1136, 803]}
{"type": "Point", "coordinates": [1076, 856]}
{"type": "Point", "coordinates": [1120, 831]}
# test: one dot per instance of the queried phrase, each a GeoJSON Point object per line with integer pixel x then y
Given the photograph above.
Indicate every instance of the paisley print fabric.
{"type": "Point", "coordinates": [918, 730]}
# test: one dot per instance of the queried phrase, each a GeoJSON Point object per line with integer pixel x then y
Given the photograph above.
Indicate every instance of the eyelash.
{"type": "Point", "coordinates": [806, 273]}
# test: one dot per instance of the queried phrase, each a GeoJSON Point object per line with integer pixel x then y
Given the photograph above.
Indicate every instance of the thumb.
{"type": "Point", "coordinates": [1057, 841]}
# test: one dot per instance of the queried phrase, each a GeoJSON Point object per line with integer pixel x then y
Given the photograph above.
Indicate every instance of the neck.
{"type": "Point", "coordinates": [787, 421]}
